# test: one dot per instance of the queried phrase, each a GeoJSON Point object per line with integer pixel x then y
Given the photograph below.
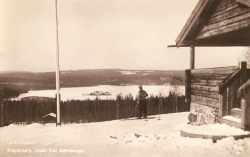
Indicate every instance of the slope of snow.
{"type": "Point", "coordinates": [120, 138]}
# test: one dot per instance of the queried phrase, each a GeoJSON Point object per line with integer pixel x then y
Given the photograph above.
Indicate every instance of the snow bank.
{"type": "Point", "coordinates": [213, 129]}
{"type": "Point", "coordinates": [119, 138]}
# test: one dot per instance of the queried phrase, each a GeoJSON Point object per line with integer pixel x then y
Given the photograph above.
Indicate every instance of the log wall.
{"type": "Point", "coordinates": [204, 82]}
{"type": "Point", "coordinates": [229, 15]}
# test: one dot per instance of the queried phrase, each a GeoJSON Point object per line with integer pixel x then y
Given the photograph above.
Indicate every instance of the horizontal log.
{"type": "Point", "coordinates": [205, 94]}
{"type": "Point", "coordinates": [228, 15]}
{"type": "Point", "coordinates": [243, 17]}
{"type": "Point", "coordinates": [210, 76]}
{"type": "Point", "coordinates": [204, 88]}
{"type": "Point", "coordinates": [218, 70]}
{"type": "Point", "coordinates": [225, 29]}
{"type": "Point", "coordinates": [206, 82]}
{"type": "Point", "coordinates": [205, 101]}
{"type": "Point", "coordinates": [224, 7]}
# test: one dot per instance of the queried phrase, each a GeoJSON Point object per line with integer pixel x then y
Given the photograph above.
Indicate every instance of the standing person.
{"type": "Point", "coordinates": [142, 102]}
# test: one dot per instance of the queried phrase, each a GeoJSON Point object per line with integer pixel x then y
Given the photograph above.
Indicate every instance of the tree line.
{"type": "Point", "coordinates": [76, 111]}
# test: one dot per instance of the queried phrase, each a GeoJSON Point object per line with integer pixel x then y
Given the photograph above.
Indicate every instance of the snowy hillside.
{"type": "Point", "coordinates": [120, 138]}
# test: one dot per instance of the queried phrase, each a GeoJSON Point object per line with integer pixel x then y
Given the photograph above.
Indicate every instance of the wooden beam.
{"type": "Point", "coordinates": [243, 68]}
{"type": "Point", "coordinates": [230, 21]}
{"type": "Point", "coordinates": [224, 29]}
{"type": "Point", "coordinates": [192, 56]}
{"type": "Point", "coordinates": [188, 87]}
{"type": "Point", "coordinates": [204, 88]}
{"type": "Point", "coordinates": [205, 101]}
{"type": "Point", "coordinates": [225, 8]}
{"type": "Point", "coordinates": [223, 103]}
{"type": "Point", "coordinates": [229, 80]}
{"type": "Point", "coordinates": [192, 20]}
{"type": "Point", "coordinates": [206, 94]}
{"type": "Point", "coordinates": [213, 43]}
{"type": "Point", "coordinates": [245, 108]}
{"type": "Point", "coordinates": [214, 71]}
{"type": "Point", "coordinates": [228, 15]}
{"type": "Point", "coordinates": [210, 83]}
{"type": "Point", "coordinates": [243, 114]}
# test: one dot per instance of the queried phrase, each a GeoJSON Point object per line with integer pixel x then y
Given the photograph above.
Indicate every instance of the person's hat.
{"type": "Point", "coordinates": [140, 86]}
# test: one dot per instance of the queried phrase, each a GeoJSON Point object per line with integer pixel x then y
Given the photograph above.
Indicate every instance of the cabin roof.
{"type": "Point", "coordinates": [50, 115]}
{"type": "Point", "coordinates": [217, 23]}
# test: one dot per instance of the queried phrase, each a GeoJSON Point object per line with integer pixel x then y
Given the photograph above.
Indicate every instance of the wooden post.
{"type": "Point", "coordinates": [245, 108]}
{"type": "Point", "coordinates": [243, 114]}
{"type": "Point", "coordinates": [188, 87]}
{"type": "Point", "coordinates": [245, 101]}
{"type": "Point", "coordinates": [230, 98]}
{"type": "Point", "coordinates": [243, 77]}
{"type": "Point", "coordinates": [223, 103]}
{"type": "Point", "coordinates": [192, 56]}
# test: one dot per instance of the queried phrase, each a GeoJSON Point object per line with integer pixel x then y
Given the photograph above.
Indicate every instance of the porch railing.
{"type": "Point", "coordinates": [227, 90]}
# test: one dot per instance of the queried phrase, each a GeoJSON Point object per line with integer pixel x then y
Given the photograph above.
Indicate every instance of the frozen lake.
{"type": "Point", "coordinates": [81, 93]}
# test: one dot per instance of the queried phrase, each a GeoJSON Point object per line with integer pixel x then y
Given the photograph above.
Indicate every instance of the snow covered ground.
{"type": "Point", "coordinates": [121, 138]}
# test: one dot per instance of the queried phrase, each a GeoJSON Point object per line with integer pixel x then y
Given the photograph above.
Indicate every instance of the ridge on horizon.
{"type": "Point", "coordinates": [13, 71]}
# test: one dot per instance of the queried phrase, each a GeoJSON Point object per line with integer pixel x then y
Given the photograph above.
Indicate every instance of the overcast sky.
{"type": "Point", "coordinates": [101, 34]}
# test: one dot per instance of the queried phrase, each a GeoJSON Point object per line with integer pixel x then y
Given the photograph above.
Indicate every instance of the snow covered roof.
{"type": "Point", "coordinates": [50, 114]}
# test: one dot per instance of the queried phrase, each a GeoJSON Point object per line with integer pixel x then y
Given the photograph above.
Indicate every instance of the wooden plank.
{"type": "Point", "coordinates": [224, 40]}
{"type": "Point", "coordinates": [192, 56]}
{"type": "Point", "coordinates": [210, 76]}
{"type": "Point", "coordinates": [243, 67]}
{"type": "Point", "coordinates": [205, 94]}
{"type": "Point", "coordinates": [225, 29]}
{"type": "Point", "coordinates": [206, 82]}
{"type": "Point", "coordinates": [223, 103]}
{"type": "Point", "coordinates": [205, 101]}
{"type": "Point", "coordinates": [226, 22]}
{"type": "Point", "coordinates": [230, 98]}
{"type": "Point", "coordinates": [236, 100]}
{"type": "Point", "coordinates": [188, 87]}
{"type": "Point", "coordinates": [218, 70]}
{"type": "Point", "coordinates": [245, 107]}
{"type": "Point", "coordinates": [192, 20]}
{"type": "Point", "coordinates": [224, 7]}
{"type": "Point", "coordinates": [227, 15]}
{"type": "Point", "coordinates": [204, 88]}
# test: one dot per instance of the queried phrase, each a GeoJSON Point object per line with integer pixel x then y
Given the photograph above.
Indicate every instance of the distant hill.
{"type": "Point", "coordinates": [79, 78]}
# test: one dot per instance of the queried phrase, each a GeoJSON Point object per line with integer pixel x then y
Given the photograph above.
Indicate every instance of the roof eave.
{"type": "Point", "coordinates": [192, 21]}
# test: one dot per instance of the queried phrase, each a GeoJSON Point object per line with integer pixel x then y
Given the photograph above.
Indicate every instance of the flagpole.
{"type": "Point", "coordinates": [58, 117]}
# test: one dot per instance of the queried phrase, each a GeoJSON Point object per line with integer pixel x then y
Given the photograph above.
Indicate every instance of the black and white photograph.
{"type": "Point", "coordinates": [124, 78]}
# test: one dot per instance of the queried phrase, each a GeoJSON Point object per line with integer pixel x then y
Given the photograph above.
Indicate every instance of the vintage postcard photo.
{"type": "Point", "coordinates": [124, 78]}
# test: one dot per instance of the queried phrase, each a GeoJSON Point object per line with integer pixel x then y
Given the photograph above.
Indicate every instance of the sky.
{"type": "Point", "coordinates": [101, 34]}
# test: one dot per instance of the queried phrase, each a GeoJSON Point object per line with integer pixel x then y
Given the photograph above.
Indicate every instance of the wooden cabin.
{"type": "Point", "coordinates": [212, 92]}
{"type": "Point", "coordinates": [49, 118]}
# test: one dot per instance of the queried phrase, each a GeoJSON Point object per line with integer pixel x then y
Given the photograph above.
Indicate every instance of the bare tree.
{"type": "Point", "coordinates": [175, 84]}
{"type": "Point", "coordinates": [246, 56]}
